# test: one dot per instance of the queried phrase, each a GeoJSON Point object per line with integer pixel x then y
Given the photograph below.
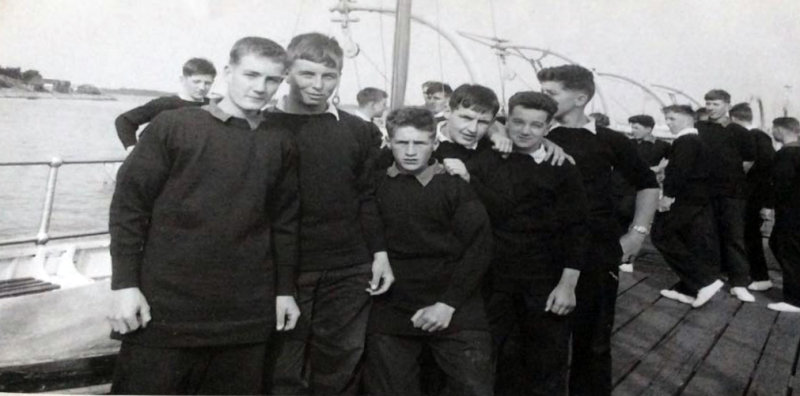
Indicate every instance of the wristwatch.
{"type": "Point", "coordinates": [640, 229]}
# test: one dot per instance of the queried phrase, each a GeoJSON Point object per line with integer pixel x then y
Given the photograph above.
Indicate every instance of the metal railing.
{"type": "Point", "coordinates": [43, 235]}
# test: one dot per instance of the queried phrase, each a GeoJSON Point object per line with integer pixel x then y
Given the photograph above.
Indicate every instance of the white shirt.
{"type": "Point", "coordinates": [686, 131]}
{"type": "Point", "coordinates": [539, 155]}
{"type": "Point", "coordinates": [590, 126]}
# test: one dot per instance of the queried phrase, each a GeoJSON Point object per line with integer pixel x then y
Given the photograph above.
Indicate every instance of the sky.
{"type": "Point", "coordinates": [750, 48]}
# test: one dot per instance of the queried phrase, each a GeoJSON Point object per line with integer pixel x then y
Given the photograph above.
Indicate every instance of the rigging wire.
{"type": "Point", "coordinates": [383, 53]}
{"type": "Point", "coordinates": [501, 60]}
{"type": "Point", "coordinates": [439, 43]}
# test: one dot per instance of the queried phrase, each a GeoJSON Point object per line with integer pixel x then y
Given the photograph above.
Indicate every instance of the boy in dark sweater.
{"type": "Point", "coordinates": [732, 150]}
{"type": "Point", "coordinates": [439, 240]}
{"type": "Point", "coordinates": [538, 213]}
{"type": "Point", "coordinates": [785, 239]}
{"type": "Point", "coordinates": [598, 151]}
{"type": "Point", "coordinates": [683, 230]}
{"type": "Point", "coordinates": [203, 229]}
{"type": "Point", "coordinates": [198, 76]}
{"type": "Point", "coordinates": [342, 251]}
{"type": "Point", "coordinates": [757, 196]}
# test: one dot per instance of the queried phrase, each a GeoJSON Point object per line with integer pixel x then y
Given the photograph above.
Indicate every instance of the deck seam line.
{"type": "Point", "coordinates": [760, 355]}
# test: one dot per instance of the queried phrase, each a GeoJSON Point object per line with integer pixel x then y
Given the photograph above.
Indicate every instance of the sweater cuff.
{"type": "Point", "coordinates": [285, 281]}
{"type": "Point", "coordinates": [125, 271]}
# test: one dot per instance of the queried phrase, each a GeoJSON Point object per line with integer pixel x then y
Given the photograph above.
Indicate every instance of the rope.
{"type": "Point", "coordinates": [375, 66]}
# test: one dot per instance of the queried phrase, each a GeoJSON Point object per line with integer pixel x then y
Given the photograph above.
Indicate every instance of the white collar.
{"type": "Point", "coordinates": [590, 126]}
{"type": "Point", "coordinates": [281, 105]}
{"type": "Point", "coordinates": [686, 131]}
{"type": "Point", "coordinates": [362, 115]}
{"type": "Point", "coordinates": [539, 155]}
{"type": "Point", "coordinates": [442, 137]}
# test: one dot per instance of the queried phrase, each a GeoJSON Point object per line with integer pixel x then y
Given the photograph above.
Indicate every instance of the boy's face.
{"type": "Point", "coordinates": [717, 109]}
{"type": "Point", "coordinates": [253, 81]}
{"type": "Point", "coordinates": [379, 107]}
{"type": "Point", "coordinates": [412, 148]}
{"type": "Point", "coordinates": [527, 128]}
{"type": "Point", "coordinates": [467, 126]}
{"type": "Point", "coordinates": [567, 99]}
{"type": "Point", "coordinates": [640, 131]}
{"type": "Point", "coordinates": [778, 133]}
{"type": "Point", "coordinates": [677, 122]}
{"type": "Point", "coordinates": [312, 83]}
{"type": "Point", "coordinates": [436, 102]}
{"type": "Point", "coordinates": [197, 86]}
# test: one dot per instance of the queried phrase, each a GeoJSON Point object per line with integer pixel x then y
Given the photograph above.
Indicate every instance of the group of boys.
{"type": "Point", "coordinates": [229, 217]}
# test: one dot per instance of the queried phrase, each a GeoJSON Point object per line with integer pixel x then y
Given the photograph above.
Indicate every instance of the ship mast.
{"type": "Point", "coordinates": [402, 41]}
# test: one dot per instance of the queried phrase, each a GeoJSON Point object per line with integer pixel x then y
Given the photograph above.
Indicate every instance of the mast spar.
{"type": "Point", "coordinates": [402, 37]}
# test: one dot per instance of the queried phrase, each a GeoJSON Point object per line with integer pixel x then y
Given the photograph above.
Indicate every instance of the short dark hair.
{"type": "Point", "coordinates": [741, 111]}
{"type": "Point", "coordinates": [533, 100]}
{"type": "Point", "coordinates": [718, 94]}
{"type": "Point", "coordinates": [370, 95]}
{"type": "Point", "coordinates": [417, 117]}
{"type": "Point", "coordinates": [572, 77]}
{"type": "Point", "coordinates": [475, 97]}
{"type": "Point", "coordinates": [680, 109]}
{"type": "Point", "coordinates": [317, 48]}
{"type": "Point", "coordinates": [601, 119]}
{"type": "Point", "coordinates": [789, 123]}
{"type": "Point", "coordinates": [256, 46]}
{"type": "Point", "coordinates": [199, 66]}
{"type": "Point", "coordinates": [643, 120]}
{"type": "Point", "coordinates": [432, 87]}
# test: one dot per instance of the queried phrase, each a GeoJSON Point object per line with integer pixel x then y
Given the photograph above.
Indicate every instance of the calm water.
{"type": "Point", "coordinates": [37, 130]}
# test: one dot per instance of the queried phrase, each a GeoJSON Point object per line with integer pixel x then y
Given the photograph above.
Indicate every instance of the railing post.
{"type": "Point", "coordinates": [44, 224]}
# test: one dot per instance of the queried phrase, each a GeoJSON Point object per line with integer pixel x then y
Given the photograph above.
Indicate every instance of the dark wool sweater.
{"type": "Point", "coordinates": [758, 177]}
{"type": "Point", "coordinates": [729, 147]}
{"type": "Point", "coordinates": [597, 156]}
{"type": "Point", "coordinates": [686, 176]}
{"type": "Point", "coordinates": [786, 179]}
{"type": "Point", "coordinates": [457, 151]}
{"type": "Point", "coordinates": [652, 152]}
{"type": "Point", "coordinates": [339, 222]}
{"type": "Point", "coordinates": [439, 243]}
{"type": "Point", "coordinates": [128, 122]}
{"type": "Point", "coordinates": [539, 214]}
{"type": "Point", "coordinates": [204, 222]}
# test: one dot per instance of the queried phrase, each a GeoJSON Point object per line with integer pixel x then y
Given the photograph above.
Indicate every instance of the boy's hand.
{"type": "Point", "coordinates": [561, 300]}
{"type": "Point", "coordinates": [129, 310]}
{"type": "Point", "coordinates": [499, 138]}
{"type": "Point", "coordinates": [631, 243]}
{"type": "Point", "coordinates": [665, 203]}
{"type": "Point", "coordinates": [556, 154]}
{"type": "Point", "coordinates": [286, 313]}
{"type": "Point", "coordinates": [454, 166]}
{"type": "Point", "coordinates": [382, 275]}
{"type": "Point", "coordinates": [433, 317]}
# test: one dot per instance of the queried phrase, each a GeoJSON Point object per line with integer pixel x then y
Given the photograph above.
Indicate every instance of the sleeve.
{"type": "Point", "coordinates": [676, 173]}
{"type": "Point", "coordinates": [139, 182]}
{"type": "Point", "coordinates": [746, 142]}
{"type": "Point", "coordinates": [471, 226]}
{"type": "Point", "coordinates": [285, 213]}
{"type": "Point", "coordinates": [631, 166]}
{"type": "Point", "coordinates": [492, 185]}
{"type": "Point", "coordinates": [784, 172]}
{"type": "Point", "coordinates": [128, 122]}
{"type": "Point", "coordinates": [572, 213]}
{"type": "Point", "coordinates": [665, 149]}
{"type": "Point", "coordinates": [371, 224]}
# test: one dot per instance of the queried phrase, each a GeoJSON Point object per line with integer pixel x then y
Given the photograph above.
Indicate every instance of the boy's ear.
{"type": "Point", "coordinates": [581, 99]}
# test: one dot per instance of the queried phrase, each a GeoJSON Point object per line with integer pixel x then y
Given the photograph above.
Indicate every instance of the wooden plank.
{"type": "Point", "coordinates": [632, 303]}
{"type": "Point", "coordinates": [727, 369]}
{"type": "Point", "coordinates": [668, 367]}
{"type": "Point", "coordinates": [774, 370]}
{"type": "Point", "coordinates": [58, 375]}
{"type": "Point", "coordinates": [632, 343]}
{"type": "Point", "coordinates": [629, 280]}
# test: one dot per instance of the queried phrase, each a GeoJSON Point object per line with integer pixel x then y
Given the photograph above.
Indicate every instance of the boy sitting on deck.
{"type": "Point", "coordinates": [539, 213]}
{"type": "Point", "coordinates": [439, 242]}
{"type": "Point", "coordinates": [198, 76]}
{"type": "Point", "coordinates": [683, 230]}
{"type": "Point", "coordinates": [785, 239]}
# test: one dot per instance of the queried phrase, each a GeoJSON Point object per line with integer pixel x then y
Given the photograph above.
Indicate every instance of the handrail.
{"type": "Point", "coordinates": [43, 236]}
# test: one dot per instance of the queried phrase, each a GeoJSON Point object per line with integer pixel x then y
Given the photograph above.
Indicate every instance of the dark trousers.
{"type": "Point", "coordinates": [229, 370]}
{"type": "Point", "coordinates": [685, 238]}
{"type": "Point", "coordinates": [785, 244]}
{"type": "Point", "coordinates": [592, 321]}
{"type": "Point", "coordinates": [393, 363]}
{"type": "Point", "coordinates": [545, 343]}
{"type": "Point", "coordinates": [729, 220]}
{"type": "Point", "coordinates": [754, 241]}
{"type": "Point", "coordinates": [322, 354]}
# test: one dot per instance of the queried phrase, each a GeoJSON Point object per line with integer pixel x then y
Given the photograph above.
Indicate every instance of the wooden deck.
{"type": "Point", "coordinates": [663, 347]}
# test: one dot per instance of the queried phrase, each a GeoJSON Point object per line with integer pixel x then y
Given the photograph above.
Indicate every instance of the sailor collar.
{"type": "Point", "coordinates": [423, 177]}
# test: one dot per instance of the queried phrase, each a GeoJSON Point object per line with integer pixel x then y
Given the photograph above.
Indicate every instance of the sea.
{"type": "Point", "coordinates": [41, 129]}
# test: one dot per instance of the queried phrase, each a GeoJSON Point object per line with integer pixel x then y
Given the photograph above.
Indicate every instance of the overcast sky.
{"type": "Point", "coordinates": [750, 48]}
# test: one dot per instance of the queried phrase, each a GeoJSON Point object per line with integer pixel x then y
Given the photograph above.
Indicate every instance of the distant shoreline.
{"type": "Point", "coordinates": [13, 93]}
